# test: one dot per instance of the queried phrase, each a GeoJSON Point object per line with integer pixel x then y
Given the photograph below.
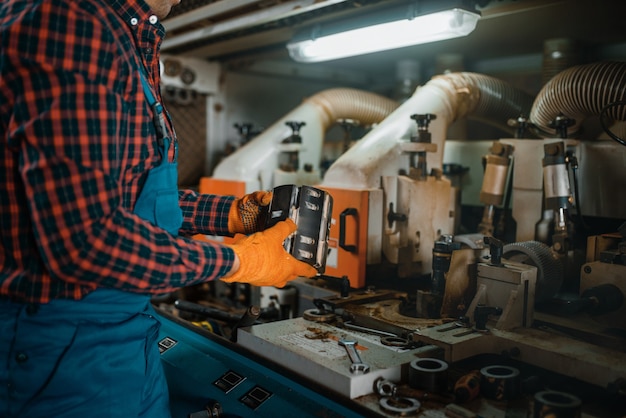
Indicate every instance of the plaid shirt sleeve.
{"type": "Point", "coordinates": [77, 139]}
{"type": "Point", "coordinates": [204, 213]}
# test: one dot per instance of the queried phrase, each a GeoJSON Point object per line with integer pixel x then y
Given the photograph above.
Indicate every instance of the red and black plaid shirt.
{"type": "Point", "coordinates": [77, 140]}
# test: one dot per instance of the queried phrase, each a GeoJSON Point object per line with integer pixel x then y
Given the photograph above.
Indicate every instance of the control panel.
{"type": "Point", "coordinates": [209, 376]}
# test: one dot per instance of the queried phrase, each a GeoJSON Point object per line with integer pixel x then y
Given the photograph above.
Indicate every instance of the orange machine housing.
{"type": "Point", "coordinates": [348, 236]}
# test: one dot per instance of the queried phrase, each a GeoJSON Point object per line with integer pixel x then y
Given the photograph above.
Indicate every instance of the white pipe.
{"type": "Point", "coordinates": [449, 97]}
{"type": "Point", "coordinates": [377, 153]}
{"type": "Point", "coordinates": [256, 160]}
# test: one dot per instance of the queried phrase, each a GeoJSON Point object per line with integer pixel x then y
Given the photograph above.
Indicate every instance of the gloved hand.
{"type": "Point", "coordinates": [244, 214]}
{"type": "Point", "coordinates": [263, 261]}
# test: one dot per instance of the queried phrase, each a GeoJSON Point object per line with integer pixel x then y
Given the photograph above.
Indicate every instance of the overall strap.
{"type": "Point", "coordinates": [147, 90]}
{"type": "Point", "coordinates": [159, 117]}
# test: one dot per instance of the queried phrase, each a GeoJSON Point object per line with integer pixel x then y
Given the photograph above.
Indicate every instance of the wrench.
{"type": "Point", "coordinates": [386, 388]}
{"type": "Point", "coordinates": [357, 366]}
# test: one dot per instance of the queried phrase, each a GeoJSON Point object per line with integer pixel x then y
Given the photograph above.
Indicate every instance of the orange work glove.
{"type": "Point", "coordinates": [263, 261]}
{"type": "Point", "coordinates": [244, 214]}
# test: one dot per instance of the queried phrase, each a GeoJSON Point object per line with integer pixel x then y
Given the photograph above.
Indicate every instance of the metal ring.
{"type": "Point", "coordinates": [316, 316]}
{"type": "Point", "coordinates": [430, 374]}
{"type": "Point", "coordinates": [395, 405]}
{"type": "Point", "coordinates": [430, 365]}
{"type": "Point", "coordinates": [499, 372]}
{"type": "Point", "coordinates": [499, 382]}
{"type": "Point", "coordinates": [556, 400]}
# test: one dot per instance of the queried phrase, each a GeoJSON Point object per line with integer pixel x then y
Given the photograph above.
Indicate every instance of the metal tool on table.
{"type": "Point", "coordinates": [357, 366]}
{"type": "Point", "coordinates": [387, 388]}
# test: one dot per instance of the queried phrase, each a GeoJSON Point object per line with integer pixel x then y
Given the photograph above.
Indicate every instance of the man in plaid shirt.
{"type": "Point", "coordinates": [91, 221]}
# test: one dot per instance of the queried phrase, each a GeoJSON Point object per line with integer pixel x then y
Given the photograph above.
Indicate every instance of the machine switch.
{"type": "Point", "coordinates": [229, 381]}
{"type": "Point", "coordinates": [166, 343]}
{"type": "Point", "coordinates": [255, 397]}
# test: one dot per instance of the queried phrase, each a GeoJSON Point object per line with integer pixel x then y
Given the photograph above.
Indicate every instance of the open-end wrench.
{"type": "Point", "coordinates": [390, 389]}
{"type": "Point", "coordinates": [357, 366]}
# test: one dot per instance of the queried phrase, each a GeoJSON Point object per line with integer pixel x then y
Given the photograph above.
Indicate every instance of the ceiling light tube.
{"type": "Point", "coordinates": [393, 34]}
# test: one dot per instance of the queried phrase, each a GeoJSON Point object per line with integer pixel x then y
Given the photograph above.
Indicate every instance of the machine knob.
{"type": "Point", "coordinates": [243, 128]}
{"type": "Point", "coordinates": [295, 126]}
{"type": "Point", "coordinates": [213, 409]}
{"type": "Point", "coordinates": [246, 131]}
{"type": "Point", "coordinates": [522, 124]}
{"type": "Point", "coordinates": [423, 120]}
{"type": "Point", "coordinates": [561, 123]}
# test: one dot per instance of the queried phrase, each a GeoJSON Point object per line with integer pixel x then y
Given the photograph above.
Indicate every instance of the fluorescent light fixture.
{"type": "Point", "coordinates": [444, 24]}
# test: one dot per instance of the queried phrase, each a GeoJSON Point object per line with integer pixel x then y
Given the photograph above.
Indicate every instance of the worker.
{"type": "Point", "coordinates": [92, 223]}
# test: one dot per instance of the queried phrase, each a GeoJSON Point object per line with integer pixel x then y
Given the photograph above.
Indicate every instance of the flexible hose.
{"type": "Point", "coordinates": [340, 103]}
{"type": "Point", "coordinates": [579, 92]}
{"type": "Point", "coordinates": [486, 98]}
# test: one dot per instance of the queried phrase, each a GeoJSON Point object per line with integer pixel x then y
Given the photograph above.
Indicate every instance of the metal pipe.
{"type": "Point", "coordinates": [449, 97]}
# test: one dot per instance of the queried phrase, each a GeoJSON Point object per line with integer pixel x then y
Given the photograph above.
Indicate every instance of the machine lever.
{"type": "Point", "coordinates": [343, 281]}
{"type": "Point", "coordinates": [204, 311]}
{"type": "Point", "coordinates": [357, 366]}
{"type": "Point", "coordinates": [247, 319]}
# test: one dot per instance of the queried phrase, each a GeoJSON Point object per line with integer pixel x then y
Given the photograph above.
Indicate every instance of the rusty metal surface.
{"type": "Point", "coordinates": [552, 347]}
{"type": "Point", "coordinates": [312, 349]}
{"type": "Point", "coordinates": [388, 313]}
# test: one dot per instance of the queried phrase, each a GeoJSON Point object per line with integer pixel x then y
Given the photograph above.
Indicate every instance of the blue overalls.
{"type": "Point", "coordinates": [158, 200]}
{"type": "Point", "coordinates": [97, 357]}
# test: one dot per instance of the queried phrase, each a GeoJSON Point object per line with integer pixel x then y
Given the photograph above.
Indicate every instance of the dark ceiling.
{"type": "Point", "coordinates": [245, 31]}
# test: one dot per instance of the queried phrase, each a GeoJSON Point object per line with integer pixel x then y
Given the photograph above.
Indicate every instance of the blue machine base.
{"type": "Point", "coordinates": [204, 369]}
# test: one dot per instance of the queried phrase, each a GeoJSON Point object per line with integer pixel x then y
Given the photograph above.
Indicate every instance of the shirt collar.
{"type": "Point", "coordinates": [137, 12]}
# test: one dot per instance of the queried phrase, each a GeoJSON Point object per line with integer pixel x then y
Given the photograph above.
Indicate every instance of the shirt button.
{"type": "Point", "coordinates": [21, 357]}
{"type": "Point", "coordinates": [153, 19]}
{"type": "Point", "coordinates": [148, 50]}
{"type": "Point", "coordinates": [133, 21]}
